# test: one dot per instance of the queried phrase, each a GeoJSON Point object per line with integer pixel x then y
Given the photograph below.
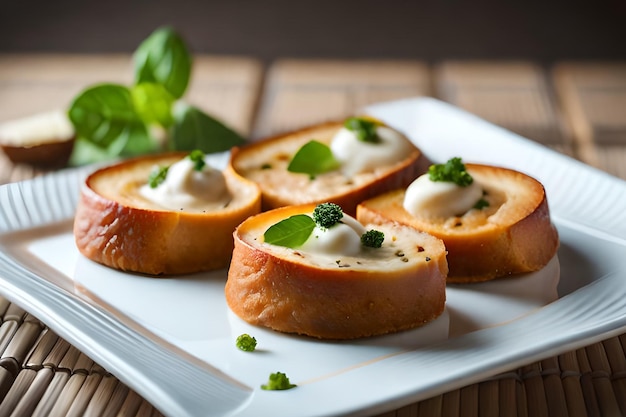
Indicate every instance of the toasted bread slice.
{"type": "Point", "coordinates": [266, 162]}
{"type": "Point", "coordinates": [396, 287]}
{"type": "Point", "coordinates": [513, 235]}
{"type": "Point", "coordinates": [117, 227]}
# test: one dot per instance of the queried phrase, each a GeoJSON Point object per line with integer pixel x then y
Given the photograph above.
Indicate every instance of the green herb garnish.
{"type": "Point", "coordinates": [293, 231]}
{"type": "Point", "coordinates": [278, 381]}
{"type": "Point", "coordinates": [452, 171]}
{"type": "Point", "coordinates": [373, 238]}
{"type": "Point", "coordinates": [481, 204]}
{"type": "Point", "coordinates": [197, 157]}
{"type": "Point", "coordinates": [365, 130]}
{"type": "Point", "coordinates": [195, 129]}
{"type": "Point", "coordinates": [327, 215]}
{"type": "Point", "coordinates": [113, 120]}
{"type": "Point", "coordinates": [157, 176]}
{"type": "Point", "coordinates": [246, 342]}
{"type": "Point", "coordinates": [163, 58]}
{"type": "Point", "coordinates": [290, 232]}
{"type": "Point", "coordinates": [313, 158]}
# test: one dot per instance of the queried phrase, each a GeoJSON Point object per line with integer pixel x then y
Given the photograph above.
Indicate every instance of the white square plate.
{"type": "Point", "coordinates": [172, 340]}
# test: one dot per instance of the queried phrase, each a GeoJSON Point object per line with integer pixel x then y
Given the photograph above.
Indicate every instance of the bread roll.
{"type": "Point", "coordinates": [116, 226]}
{"type": "Point", "coordinates": [266, 163]}
{"type": "Point", "coordinates": [513, 235]}
{"type": "Point", "coordinates": [384, 290]}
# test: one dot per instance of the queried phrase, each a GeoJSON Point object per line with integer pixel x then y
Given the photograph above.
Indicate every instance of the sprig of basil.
{"type": "Point", "coordinates": [115, 120]}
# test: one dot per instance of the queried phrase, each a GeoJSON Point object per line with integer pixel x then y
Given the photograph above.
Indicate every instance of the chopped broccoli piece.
{"type": "Point", "coordinates": [327, 214]}
{"type": "Point", "coordinates": [246, 342]}
{"type": "Point", "coordinates": [372, 238]}
{"type": "Point", "coordinates": [278, 381]}
{"type": "Point", "coordinates": [452, 171]}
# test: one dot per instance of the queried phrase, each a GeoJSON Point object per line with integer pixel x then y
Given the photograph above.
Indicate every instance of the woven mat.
{"type": "Point", "coordinates": [575, 108]}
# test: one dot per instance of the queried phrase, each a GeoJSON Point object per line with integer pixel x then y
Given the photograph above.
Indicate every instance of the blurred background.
{"type": "Point", "coordinates": [423, 29]}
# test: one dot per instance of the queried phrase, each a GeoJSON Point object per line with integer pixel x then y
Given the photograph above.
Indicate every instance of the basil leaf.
{"type": "Point", "coordinates": [313, 158]}
{"type": "Point", "coordinates": [291, 232]}
{"type": "Point", "coordinates": [85, 152]}
{"type": "Point", "coordinates": [194, 129]}
{"type": "Point", "coordinates": [101, 113]}
{"type": "Point", "coordinates": [163, 59]}
{"type": "Point", "coordinates": [134, 140]}
{"type": "Point", "coordinates": [153, 103]}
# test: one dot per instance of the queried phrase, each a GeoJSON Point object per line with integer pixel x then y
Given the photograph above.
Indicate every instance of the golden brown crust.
{"type": "Point", "coordinates": [518, 238]}
{"type": "Point", "coordinates": [290, 291]}
{"type": "Point", "coordinates": [155, 241]}
{"type": "Point", "coordinates": [282, 188]}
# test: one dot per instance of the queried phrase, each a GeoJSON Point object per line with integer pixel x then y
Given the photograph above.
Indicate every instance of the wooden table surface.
{"type": "Point", "coordinates": [578, 108]}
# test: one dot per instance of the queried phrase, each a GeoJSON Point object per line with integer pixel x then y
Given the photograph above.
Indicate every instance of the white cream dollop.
{"type": "Point", "coordinates": [356, 156]}
{"type": "Point", "coordinates": [186, 188]}
{"type": "Point", "coordinates": [426, 198]}
{"type": "Point", "coordinates": [343, 238]}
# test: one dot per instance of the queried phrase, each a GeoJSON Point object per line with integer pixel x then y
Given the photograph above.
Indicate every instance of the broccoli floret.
{"type": "Point", "coordinates": [452, 171]}
{"type": "Point", "coordinates": [246, 342]}
{"type": "Point", "coordinates": [327, 214]}
{"type": "Point", "coordinates": [372, 238]}
{"type": "Point", "coordinates": [278, 381]}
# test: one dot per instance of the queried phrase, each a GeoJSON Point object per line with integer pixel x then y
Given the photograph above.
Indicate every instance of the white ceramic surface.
{"type": "Point", "coordinates": [172, 340]}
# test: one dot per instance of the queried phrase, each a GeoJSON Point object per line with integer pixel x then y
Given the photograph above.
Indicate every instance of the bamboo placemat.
{"type": "Point", "coordinates": [575, 108]}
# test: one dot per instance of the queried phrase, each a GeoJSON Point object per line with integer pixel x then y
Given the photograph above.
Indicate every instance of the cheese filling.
{"type": "Point", "coordinates": [185, 187]}
{"type": "Point", "coordinates": [357, 156]}
{"type": "Point", "coordinates": [426, 198]}
{"type": "Point", "coordinates": [343, 238]}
